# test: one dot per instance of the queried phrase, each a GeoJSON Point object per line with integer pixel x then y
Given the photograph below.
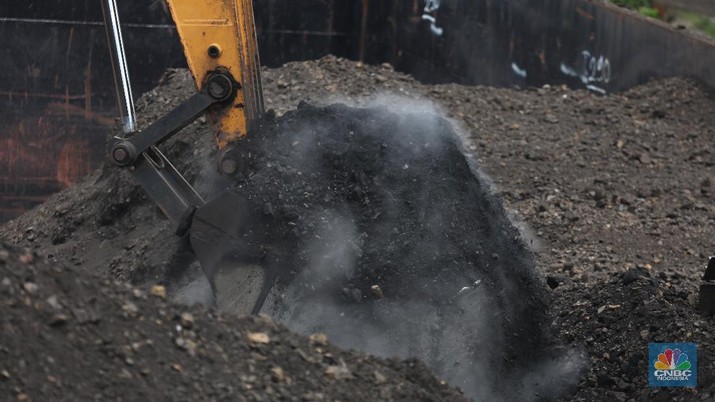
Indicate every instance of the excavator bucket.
{"type": "Point", "coordinates": [220, 35]}
{"type": "Point", "coordinates": [227, 240]}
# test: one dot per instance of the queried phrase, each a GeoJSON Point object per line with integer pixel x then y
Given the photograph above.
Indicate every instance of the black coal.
{"type": "Point", "coordinates": [388, 239]}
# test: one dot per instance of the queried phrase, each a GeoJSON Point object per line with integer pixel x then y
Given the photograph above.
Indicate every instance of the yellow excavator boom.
{"type": "Point", "coordinates": [221, 35]}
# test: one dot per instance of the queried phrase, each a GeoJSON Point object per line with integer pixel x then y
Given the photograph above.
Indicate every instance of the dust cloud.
{"type": "Point", "coordinates": [392, 242]}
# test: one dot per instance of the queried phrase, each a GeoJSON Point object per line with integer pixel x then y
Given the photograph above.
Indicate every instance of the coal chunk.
{"type": "Point", "coordinates": [555, 280]}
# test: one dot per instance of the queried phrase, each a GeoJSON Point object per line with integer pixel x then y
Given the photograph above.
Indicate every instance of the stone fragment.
{"type": "Point", "coordinates": [186, 320]}
{"type": "Point", "coordinates": [319, 339]}
{"type": "Point", "coordinates": [555, 280]}
{"type": "Point", "coordinates": [377, 290]}
{"type": "Point", "coordinates": [258, 337]}
{"type": "Point", "coordinates": [58, 320]}
{"type": "Point", "coordinates": [158, 291]}
{"type": "Point", "coordinates": [379, 377]}
{"type": "Point", "coordinates": [277, 374]}
{"type": "Point", "coordinates": [30, 287]}
{"type": "Point", "coordinates": [338, 372]}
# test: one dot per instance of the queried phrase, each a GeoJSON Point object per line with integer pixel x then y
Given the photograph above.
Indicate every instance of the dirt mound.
{"type": "Point", "coordinates": [106, 220]}
{"type": "Point", "coordinates": [385, 232]}
{"type": "Point", "coordinates": [74, 335]}
{"type": "Point", "coordinates": [617, 318]}
{"type": "Point", "coordinates": [609, 184]}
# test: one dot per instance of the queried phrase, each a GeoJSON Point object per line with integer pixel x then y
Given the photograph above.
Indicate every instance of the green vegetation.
{"type": "Point", "coordinates": [699, 22]}
{"type": "Point", "coordinates": [649, 12]}
{"type": "Point", "coordinates": [634, 4]}
{"type": "Point", "coordinates": [644, 7]}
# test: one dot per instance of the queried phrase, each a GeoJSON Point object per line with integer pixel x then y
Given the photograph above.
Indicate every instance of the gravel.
{"type": "Point", "coordinates": [68, 334]}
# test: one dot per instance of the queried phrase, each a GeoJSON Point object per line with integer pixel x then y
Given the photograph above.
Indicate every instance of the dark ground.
{"type": "Point", "coordinates": [617, 191]}
{"type": "Point", "coordinates": [69, 334]}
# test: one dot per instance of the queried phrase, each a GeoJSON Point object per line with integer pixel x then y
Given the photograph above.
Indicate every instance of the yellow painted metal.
{"type": "Point", "coordinates": [224, 29]}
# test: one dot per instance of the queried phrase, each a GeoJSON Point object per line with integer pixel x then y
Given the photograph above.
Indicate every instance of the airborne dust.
{"type": "Point", "coordinates": [387, 238]}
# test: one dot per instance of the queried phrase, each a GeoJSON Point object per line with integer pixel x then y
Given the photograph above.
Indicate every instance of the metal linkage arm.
{"type": "Point", "coordinates": [159, 178]}
{"type": "Point", "coordinates": [220, 44]}
{"type": "Point", "coordinates": [220, 88]}
{"type": "Point", "coordinates": [168, 188]}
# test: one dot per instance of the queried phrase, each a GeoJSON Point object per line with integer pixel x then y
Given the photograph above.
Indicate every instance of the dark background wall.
{"type": "Point", "coordinates": [57, 96]}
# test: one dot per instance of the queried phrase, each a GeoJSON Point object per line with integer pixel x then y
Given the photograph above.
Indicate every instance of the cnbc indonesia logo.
{"type": "Point", "coordinates": [673, 365]}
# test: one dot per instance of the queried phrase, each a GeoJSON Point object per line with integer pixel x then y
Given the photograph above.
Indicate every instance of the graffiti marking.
{"type": "Point", "coordinates": [430, 7]}
{"type": "Point", "coordinates": [594, 71]}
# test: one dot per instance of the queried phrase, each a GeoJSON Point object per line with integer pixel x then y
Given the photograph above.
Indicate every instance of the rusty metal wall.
{"type": "Point", "coordinates": [56, 88]}
{"type": "Point", "coordinates": [57, 97]}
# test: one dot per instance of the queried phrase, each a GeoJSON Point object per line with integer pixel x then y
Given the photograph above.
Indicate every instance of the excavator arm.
{"type": "Point", "coordinates": [219, 41]}
{"type": "Point", "coordinates": [220, 35]}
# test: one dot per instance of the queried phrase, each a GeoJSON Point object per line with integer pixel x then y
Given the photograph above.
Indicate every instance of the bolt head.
{"type": "Point", "coordinates": [219, 87]}
{"type": "Point", "coordinates": [120, 155]}
{"type": "Point", "coordinates": [229, 166]}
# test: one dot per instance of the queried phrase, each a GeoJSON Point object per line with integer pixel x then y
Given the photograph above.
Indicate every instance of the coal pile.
{"type": "Point", "coordinates": [391, 243]}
